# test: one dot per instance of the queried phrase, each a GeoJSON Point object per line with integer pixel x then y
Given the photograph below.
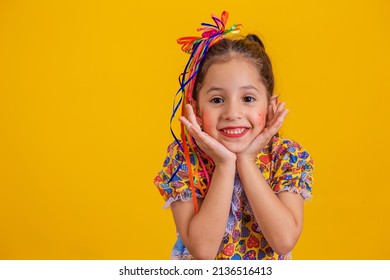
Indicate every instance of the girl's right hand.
{"type": "Point", "coordinates": [218, 152]}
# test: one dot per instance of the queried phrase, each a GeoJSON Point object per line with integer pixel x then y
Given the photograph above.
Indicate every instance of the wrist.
{"type": "Point", "coordinates": [246, 164]}
{"type": "Point", "coordinates": [246, 159]}
{"type": "Point", "coordinates": [227, 163]}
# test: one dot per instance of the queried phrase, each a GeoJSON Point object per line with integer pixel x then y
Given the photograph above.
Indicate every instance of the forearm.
{"type": "Point", "coordinates": [275, 220]}
{"type": "Point", "coordinates": [207, 228]}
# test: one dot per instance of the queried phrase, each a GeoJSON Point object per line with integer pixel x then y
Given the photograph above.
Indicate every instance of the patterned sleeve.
{"type": "Point", "coordinates": [293, 169]}
{"type": "Point", "coordinates": [172, 181]}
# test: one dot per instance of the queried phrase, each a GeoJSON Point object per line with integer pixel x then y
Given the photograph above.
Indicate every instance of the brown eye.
{"type": "Point", "coordinates": [249, 99]}
{"type": "Point", "coordinates": [216, 100]}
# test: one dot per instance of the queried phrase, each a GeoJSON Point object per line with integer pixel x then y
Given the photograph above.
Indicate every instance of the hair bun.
{"type": "Point", "coordinates": [255, 38]}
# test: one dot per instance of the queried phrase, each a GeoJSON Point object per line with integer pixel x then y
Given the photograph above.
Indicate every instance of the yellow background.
{"type": "Point", "coordinates": [86, 90]}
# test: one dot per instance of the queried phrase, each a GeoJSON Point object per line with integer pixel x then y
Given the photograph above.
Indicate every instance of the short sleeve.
{"type": "Point", "coordinates": [172, 181]}
{"type": "Point", "coordinates": [293, 169]}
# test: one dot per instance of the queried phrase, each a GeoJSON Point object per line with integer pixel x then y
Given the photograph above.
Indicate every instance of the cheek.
{"type": "Point", "coordinates": [206, 122]}
{"type": "Point", "coordinates": [262, 120]}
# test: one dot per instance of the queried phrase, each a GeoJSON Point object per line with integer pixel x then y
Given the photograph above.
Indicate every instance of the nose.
{"type": "Point", "coordinates": [233, 111]}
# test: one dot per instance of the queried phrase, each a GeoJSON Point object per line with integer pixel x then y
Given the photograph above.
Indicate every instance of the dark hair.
{"type": "Point", "coordinates": [249, 47]}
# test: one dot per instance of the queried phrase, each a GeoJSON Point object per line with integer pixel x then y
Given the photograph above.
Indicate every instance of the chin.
{"type": "Point", "coordinates": [236, 148]}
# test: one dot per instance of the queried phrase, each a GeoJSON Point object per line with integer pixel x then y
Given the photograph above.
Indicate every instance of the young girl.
{"type": "Point", "coordinates": [236, 189]}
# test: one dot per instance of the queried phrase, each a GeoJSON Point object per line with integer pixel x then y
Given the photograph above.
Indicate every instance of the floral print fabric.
{"type": "Point", "coordinates": [285, 165]}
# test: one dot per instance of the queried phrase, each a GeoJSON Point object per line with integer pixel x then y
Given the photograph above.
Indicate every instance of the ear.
{"type": "Point", "coordinates": [274, 102]}
{"type": "Point", "coordinates": [272, 105]}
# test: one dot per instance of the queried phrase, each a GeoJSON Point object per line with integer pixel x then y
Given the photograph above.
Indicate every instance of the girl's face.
{"type": "Point", "coordinates": [232, 103]}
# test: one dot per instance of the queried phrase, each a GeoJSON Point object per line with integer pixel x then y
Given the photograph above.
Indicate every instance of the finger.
{"type": "Point", "coordinates": [196, 132]}
{"type": "Point", "coordinates": [274, 128]}
{"type": "Point", "coordinates": [203, 140]}
{"type": "Point", "coordinates": [191, 116]}
{"type": "Point", "coordinates": [280, 106]}
{"type": "Point", "coordinates": [185, 122]}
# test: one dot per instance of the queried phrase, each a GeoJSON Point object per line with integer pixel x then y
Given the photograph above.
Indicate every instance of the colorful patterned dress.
{"type": "Point", "coordinates": [284, 164]}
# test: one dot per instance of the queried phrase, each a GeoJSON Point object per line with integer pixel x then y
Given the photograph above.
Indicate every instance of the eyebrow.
{"type": "Point", "coordinates": [221, 89]}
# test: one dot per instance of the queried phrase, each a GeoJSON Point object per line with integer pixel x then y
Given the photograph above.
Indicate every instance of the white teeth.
{"type": "Point", "coordinates": [234, 131]}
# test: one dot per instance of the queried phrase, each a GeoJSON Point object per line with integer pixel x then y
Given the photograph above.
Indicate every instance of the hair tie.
{"type": "Point", "coordinates": [210, 31]}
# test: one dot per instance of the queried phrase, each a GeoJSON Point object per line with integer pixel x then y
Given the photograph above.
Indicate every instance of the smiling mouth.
{"type": "Point", "coordinates": [234, 132]}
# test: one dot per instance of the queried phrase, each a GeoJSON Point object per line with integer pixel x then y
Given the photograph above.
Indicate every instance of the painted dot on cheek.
{"type": "Point", "coordinates": [261, 120]}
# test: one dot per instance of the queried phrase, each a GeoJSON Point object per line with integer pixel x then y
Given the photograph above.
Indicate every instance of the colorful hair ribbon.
{"type": "Point", "coordinates": [197, 47]}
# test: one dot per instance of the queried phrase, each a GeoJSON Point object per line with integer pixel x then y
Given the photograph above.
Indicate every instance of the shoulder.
{"type": "Point", "coordinates": [173, 161]}
{"type": "Point", "coordinates": [290, 165]}
{"type": "Point", "coordinates": [175, 150]}
{"type": "Point", "coordinates": [173, 179]}
{"type": "Point", "coordinates": [283, 149]}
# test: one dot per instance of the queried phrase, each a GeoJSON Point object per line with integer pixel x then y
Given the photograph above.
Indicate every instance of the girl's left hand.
{"type": "Point", "coordinates": [275, 120]}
